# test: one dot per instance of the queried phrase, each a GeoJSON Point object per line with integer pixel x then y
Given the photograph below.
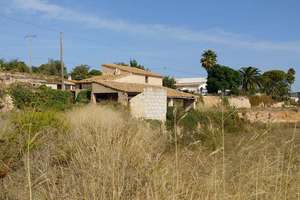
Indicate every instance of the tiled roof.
{"type": "Point", "coordinates": [138, 88]}
{"type": "Point", "coordinates": [133, 70]}
{"type": "Point", "coordinates": [105, 77]}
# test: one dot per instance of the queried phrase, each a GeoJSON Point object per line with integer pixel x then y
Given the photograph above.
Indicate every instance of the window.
{"type": "Point", "coordinates": [146, 79]}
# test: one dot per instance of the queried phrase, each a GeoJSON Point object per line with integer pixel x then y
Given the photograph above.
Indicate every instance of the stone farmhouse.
{"type": "Point", "coordinates": [139, 89]}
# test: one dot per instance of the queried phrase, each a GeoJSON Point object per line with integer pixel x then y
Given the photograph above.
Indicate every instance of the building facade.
{"type": "Point", "coordinates": [195, 85]}
{"type": "Point", "coordinates": [139, 89]}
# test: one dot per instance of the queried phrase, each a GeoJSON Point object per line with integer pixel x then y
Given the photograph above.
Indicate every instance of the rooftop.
{"type": "Point", "coordinates": [138, 88]}
{"type": "Point", "coordinates": [191, 80]}
{"type": "Point", "coordinates": [133, 70]}
{"type": "Point", "coordinates": [104, 77]}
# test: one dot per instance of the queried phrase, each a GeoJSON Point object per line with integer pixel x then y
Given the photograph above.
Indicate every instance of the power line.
{"type": "Point", "coordinates": [30, 37]}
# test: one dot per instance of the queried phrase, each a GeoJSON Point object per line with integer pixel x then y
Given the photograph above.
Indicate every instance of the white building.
{"type": "Point", "coordinates": [195, 85]}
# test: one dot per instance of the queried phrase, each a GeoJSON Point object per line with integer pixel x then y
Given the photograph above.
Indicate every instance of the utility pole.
{"type": "Point", "coordinates": [62, 62]}
{"type": "Point", "coordinates": [29, 37]}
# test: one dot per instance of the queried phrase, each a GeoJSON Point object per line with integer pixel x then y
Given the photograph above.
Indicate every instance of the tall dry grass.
{"type": "Point", "coordinates": [108, 155]}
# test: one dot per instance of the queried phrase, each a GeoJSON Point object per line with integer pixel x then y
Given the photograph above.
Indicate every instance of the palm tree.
{"type": "Point", "coordinates": [209, 59]}
{"type": "Point", "coordinates": [250, 79]}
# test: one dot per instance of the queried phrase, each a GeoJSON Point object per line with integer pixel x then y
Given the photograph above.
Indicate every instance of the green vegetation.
{"type": "Point", "coordinates": [277, 83]}
{"type": "Point", "coordinates": [204, 126]}
{"type": "Point", "coordinates": [13, 66]}
{"type": "Point", "coordinates": [209, 59]}
{"type": "Point", "coordinates": [261, 101]}
{"type": "Point", "coordinates": [84, 97]}
{"type": "Point", "coordinates": [29, 131]}
{"type": "Point", "coordinates": [83, 72]}
{"type": "Point", "coordinates": [132, 63]}
{"type": "Point", "coordinates": [221, 78]}
{"type": "Point", "coordinates": [251, 80]}
{"type": "Point", "coordinates": [52, 68]}
{"type": "Point", "coordinates": [42, 98]}
{"type": "Point", "coordinates": [169, 82]}
{"type": "Point", "coordinates": [248, 80]}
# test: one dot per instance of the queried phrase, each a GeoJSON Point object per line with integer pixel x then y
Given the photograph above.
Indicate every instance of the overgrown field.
{"type": "Point", "coordinates": [99, 152]}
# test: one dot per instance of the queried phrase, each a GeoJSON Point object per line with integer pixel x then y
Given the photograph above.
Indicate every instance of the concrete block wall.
{"type": "Point", "coordinates": [150, 104]}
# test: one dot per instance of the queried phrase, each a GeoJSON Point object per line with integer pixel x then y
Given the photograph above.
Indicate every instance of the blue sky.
{"type": "Point", "coordinates": [166, 36]}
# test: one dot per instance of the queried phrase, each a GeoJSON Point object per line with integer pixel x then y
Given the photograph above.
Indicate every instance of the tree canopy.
{"type": "Point", "coordinates": [209, 59]}
{"type": "Point", "coordinates": [132, 63]}
{"type": "Point", "coordinates": [13, 66]}
{"type": "Point", "coordinates": [222, 78]}
{"type": "Point", "coordinates": [83, 71]}
{"type": "Point", "coordinates": [52, 68]}
{"type": "Point", "coordinates": [277, 83]}
{"type": "Point", "coordinates": [251, 80]}
{"type": "Point", "coordinates": [169, 82]}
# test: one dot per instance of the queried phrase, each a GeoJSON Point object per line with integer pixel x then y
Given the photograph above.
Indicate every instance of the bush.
{"type": "Point", "coordinates": [28, 127]}
{"type": "Point", "coordinates": [42, 98]}
{"type": "Point", "coordinates": [84, 97]}
{"type": "Point", "coordinates": [258, 100]}
{"type": "Point", "coordinates": [204, 126]}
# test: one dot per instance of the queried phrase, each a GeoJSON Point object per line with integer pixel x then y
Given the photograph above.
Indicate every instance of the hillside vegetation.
{"type": "Point", "coordinates": [95, 152]}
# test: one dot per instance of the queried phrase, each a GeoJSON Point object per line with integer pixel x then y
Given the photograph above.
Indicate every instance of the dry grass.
{"type": "Point", "coordinates": [107, 155]}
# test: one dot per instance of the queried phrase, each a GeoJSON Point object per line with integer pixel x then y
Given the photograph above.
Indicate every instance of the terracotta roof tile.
{"type": "Point", "coordinates": [138, 88]}
{"type": "Point", "coordinates": [132, 70]}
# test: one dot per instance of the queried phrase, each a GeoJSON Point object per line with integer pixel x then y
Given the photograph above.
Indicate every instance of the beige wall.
{"type": "Point", "coordinates": [52, 86]}
{"type": "Point", "coordinates": [134, 78]}
{"type": "Point", "coordinates": [216, 101]}
{"type": "Point", "coordinates": [107, 70]}
{"type": "Point", "coordinates": [155, 81]}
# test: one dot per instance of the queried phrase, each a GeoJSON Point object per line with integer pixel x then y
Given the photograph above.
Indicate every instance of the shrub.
{"type": "Point", "coordinates": [258, 100]}
{"type": "Point", "coordinates": [204, 126]}
{"type": "Point", "coordinates": [28, 127]}
{"type": "Point", "coordinates": [84, 96]}
{"type": "Point", "coordinates": [42, 98]}
{"type": "Point", "coordinates": [54, 99]}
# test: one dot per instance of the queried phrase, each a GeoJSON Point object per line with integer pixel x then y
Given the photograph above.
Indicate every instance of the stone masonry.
{"type": "Point", "coordinates": [150, 104]}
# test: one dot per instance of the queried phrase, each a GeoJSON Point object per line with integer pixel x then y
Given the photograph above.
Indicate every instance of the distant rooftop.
{"type": "Point", "coordinates": [133, 70]}
{"type": "Point", "coordinates": [194, 80]}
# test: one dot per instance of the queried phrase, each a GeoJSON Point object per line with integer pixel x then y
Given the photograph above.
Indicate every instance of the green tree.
{"type": "Point", "coordinates": [52, 68]}
{"type": "Point", "coordinates": [291, 76]}
{"type": "Point", "coordinates": [251, 81]}
{"type": "Point", "coordinates": [83, 71]}
{"type": "Point", "coordinates": [209, 59]}
{"type": "Point", "coordinates": [14, 66]}
{"type": "Point", "coordinates": [275, 83]}
{"type": "Point", "coordinates": [80, 72]}
{"type": "Point", "coordinates": [95, 72]}
{"type": "Point", "coordinates": [134, 63]}
{"type": "Point", "coordinates": [169, 82]}
{"type": "Point", "coordinates": [221, 78]}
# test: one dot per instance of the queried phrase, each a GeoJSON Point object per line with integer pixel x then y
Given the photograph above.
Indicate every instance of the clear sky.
{"type": "Point", "coordinates": [167, 36]}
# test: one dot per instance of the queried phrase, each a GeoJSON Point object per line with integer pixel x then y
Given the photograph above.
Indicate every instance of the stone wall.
{"type": "Point", "coordinates": [6, 104]}
{"type": "Point", "coordinates": [239, 102]}
{"type": "Point", "coordinates": [216, 101]}
{"type": "Point", "coordinates": [269, 116]}
{"type": "Point", "coordinates": [150, 104]}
